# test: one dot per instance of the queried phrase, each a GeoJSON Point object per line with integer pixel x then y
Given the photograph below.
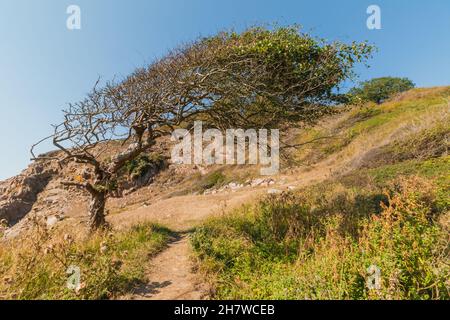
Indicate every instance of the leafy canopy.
{"type": "Point", "coordinates": [380, 89]}
{"type": "Point", "coordinates": [277, 76]}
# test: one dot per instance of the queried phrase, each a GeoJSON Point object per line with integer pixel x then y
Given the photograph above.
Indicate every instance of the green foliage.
{"type": "Point", "coordinates": [428, 168]}
{"type": "Point", "coordinates": [285, 75]}
{"type": "Point", "coordinates": [212, 179]}
{"type": "Point", "coordinates": [379, 89]}
{"type": "Point", "coordinates": [141, 165]}
{"type": "Point", "coordinates": [318, 244]}
{"type": "Point", "coordinates": [110, 263]}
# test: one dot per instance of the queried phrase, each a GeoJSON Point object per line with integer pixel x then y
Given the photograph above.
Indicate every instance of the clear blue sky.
{"type": "Point", "coordinates": [43, 65]}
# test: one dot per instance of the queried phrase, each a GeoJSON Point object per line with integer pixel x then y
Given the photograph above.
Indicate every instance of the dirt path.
{"type": "Point", "coordinates": [171, 276]}
{"type": "Point", "coordinates": [184, 212]}
{"type": "Point", "coordinates": [170, 273]}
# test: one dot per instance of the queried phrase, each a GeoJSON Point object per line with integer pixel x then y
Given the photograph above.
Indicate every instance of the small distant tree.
{"type": "Point", "coordinates": [380, 89]}
{"type": "Point", "coordinates": [259, 78]}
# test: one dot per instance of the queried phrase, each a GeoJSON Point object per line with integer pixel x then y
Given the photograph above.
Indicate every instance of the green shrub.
{"type": "Point", "coordinates": [318, 244]}
{"type": "Point", "coordinates": [138, 167]}
{"type": "Point", "coordinates": [213, 179]}
{"type": "Point", "coordinates": [380, 89]}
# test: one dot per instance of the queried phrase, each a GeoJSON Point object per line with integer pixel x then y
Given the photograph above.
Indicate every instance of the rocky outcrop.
{"type": "Point", "coordinates": [234, 186]}
{"type": "Point", "coordinates": [18, 194]}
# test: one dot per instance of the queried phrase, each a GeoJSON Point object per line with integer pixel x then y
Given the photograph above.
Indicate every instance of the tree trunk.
{"type": "Point", "coordinates": [97, 211]}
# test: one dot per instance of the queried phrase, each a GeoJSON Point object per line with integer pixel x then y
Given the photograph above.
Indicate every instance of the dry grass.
{"type": "Point", "coordinates": [110, 262]}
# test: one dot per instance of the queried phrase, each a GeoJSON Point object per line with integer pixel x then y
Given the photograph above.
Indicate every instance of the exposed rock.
{"type": "Point", "coordinates": [256, 182]}
{"type": "Point", "coordinates": [263, 182]}
{"type": "Point", "coordinates": [51, 221]}
{"type": "Point", "coordinates": [18, 194]}
{"type": "Point", "coordinates": [235, 186]}
{"type": "Point", "coordinates": [274, 191]}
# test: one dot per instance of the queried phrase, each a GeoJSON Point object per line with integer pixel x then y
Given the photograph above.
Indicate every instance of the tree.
{"type": "Point", "coordinates": [259, 78]}
{"type": "Point", "coordinates": [380, 89]}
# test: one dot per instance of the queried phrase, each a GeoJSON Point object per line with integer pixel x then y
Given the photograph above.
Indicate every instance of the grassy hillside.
{"type": "Point", "coordinates": [387, 204]}
{"type": "Point", "coordinates": [419, 116]}
{"type": "Point", "coordinates": [382, 199]}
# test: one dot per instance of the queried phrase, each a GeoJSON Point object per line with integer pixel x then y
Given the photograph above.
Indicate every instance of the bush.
{"type": "Point", "coordinates": [319, 243]}
{"type": "Point", "coordinates": [380, 89]}
{"type": "Point", "coordinates": [210, 180]}
{"type": "Point", "coordinates": [138, 167]}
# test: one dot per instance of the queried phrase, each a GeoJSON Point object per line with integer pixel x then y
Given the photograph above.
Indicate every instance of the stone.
{"type": "Point", "coordinates": [235, 186]}
{"type": "Point", "coordinates": [257, 182]}
{"type": "Point", "coordinates": [51, 221]}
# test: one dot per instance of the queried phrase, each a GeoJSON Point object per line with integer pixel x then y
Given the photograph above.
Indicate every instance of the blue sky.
{"type": "Point", "coordinates": [43, 65]}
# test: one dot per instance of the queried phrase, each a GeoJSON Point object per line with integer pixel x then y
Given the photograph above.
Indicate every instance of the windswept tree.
{"type": "Point", "coordinates": [259, 78]}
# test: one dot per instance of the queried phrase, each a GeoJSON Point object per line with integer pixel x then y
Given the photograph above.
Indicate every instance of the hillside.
{"type": "Point", "coordinates": [383, 206]}
{"type": "Point", "coordinates": [363, 163]}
